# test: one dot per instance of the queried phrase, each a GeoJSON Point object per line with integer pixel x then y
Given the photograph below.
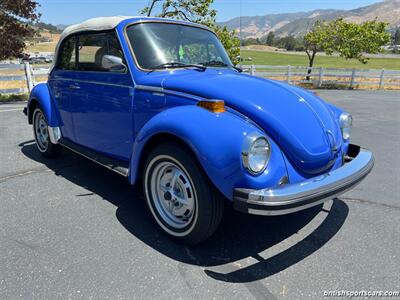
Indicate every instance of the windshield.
{"type": "Point", "coordinates": [159, 45]}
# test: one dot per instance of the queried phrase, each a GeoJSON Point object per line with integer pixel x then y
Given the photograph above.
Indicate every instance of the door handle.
{"type": "Point", "coordinates": [74, 87]}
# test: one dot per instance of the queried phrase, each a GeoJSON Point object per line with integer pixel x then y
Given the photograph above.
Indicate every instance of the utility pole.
{"type": "Point", "coordinates": [240, 32]}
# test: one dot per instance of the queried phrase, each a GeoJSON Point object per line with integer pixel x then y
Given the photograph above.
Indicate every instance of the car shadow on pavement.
{"type": "Point", "coordinates": [240, 236]}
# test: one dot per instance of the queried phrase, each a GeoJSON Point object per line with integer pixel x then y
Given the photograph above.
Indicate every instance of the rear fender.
{"type": "Point", "coordinates": [41, 95]}
{"type": "Point", "coordinates": [216, 142]}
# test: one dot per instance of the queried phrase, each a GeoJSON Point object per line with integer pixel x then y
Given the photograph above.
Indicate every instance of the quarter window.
{"type": "Point", "coordinates": [85, 52]}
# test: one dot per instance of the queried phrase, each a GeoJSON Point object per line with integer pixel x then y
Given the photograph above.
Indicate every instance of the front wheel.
{"type": "Point", "coordinates": [180, 197]}
{"type": "Point", "coordinates": [41, 133]}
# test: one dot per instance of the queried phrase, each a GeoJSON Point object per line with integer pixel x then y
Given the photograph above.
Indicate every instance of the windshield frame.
{"type": "Point", "coordinates": [167, 22]}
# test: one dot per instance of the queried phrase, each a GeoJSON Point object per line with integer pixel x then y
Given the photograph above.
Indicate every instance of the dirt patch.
{"type": "Point", "coordinates": [263, 48]}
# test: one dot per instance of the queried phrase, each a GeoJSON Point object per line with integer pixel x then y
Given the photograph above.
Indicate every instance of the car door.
{"type": "Point", "coordinates": [102, 103]}
{"type": "Point", "coordinates": [61, 86]}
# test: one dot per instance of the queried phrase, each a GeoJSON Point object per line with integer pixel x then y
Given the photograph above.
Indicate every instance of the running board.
{"type": "Point", "coordinates": [110, 163]}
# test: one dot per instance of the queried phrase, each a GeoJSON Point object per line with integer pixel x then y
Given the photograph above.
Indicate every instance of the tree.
{"type": "Point", "coordinates": [197, 11]}
{"type": "Point", "coordinates": [252, 41]}
{"type": "Point", "coordinates": [352, 40]}
{"type": "Point", "coordinates": [349, 40]}
{"type": "Point", "coordinates": [14, 27]}
{"type": "Point", "coordinates": [230, 41]}
{"type": "Point", "coordinates": [289, 43]}
{"type": "Point", "coordinates": [396, 38]}
{"type": "Point", "coordinates": [189, 10]}
{"type": "Point", "coordinates": [315, 41]}
{"type": "Point", "coordinates": [270, 38]}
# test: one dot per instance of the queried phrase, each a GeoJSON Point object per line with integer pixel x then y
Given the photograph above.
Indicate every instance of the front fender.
{"type": "Point", "coordinates": [42, 95]}
{"type": "Point", "coordinates": [216, 141]}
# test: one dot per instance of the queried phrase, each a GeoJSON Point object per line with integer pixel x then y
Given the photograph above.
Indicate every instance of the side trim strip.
{"type": "Point", "coordinates": [149, 88]}
{"type": "Point", "coordinates": [92, 82]}
{"type": "Point", "coordinates": [156, 89]}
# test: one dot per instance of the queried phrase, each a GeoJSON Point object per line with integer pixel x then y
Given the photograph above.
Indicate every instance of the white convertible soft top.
{"type": "Point", "coordinates": [98, 24]}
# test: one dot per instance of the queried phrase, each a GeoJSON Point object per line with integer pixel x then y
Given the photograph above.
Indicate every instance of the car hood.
{"type": "Point", "coordinates": [300, 122]}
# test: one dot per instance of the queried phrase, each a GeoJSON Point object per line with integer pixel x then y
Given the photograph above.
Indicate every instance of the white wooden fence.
{"type": "Point", "coordinates": [320, 77]}
{"type": "Point", "coordinates": [26, 73]}
{"type": "Point", "coordinates": [317, 77]}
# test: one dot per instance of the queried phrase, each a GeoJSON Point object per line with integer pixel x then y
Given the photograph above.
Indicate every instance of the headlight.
{"type": "Point", "coordinates": [255, 153]}
{"type": "Point", "coordinates": [346, 123]}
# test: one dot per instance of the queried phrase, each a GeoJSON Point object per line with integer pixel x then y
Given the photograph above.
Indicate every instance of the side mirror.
{"type": "Point", "coordinates": [113, 63]}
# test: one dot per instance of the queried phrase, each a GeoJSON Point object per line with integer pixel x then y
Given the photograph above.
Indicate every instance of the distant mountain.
{"type": "Point", "coordinates": [61, 27]}
{"type": "Point", "coordinates": [41, 26]}
{"type": "Point", "coordinates": [297, 24]}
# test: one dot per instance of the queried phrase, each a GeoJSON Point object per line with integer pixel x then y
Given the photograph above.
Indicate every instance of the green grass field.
{"type": "Point", "coordinates": [282, 59]}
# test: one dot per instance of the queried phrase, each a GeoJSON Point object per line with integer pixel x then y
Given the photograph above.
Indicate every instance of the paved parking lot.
{"type": "Point", "coordinates": [71, 229]}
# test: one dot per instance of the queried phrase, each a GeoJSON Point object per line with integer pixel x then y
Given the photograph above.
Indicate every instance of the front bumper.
{"type": "Point", "coordinates": [285, 199]}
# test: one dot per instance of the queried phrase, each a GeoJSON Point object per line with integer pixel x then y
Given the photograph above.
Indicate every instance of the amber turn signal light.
{"type": "Point", "coordinates": [216, 106]}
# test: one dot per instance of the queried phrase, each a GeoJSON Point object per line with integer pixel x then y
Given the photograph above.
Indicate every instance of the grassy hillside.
{"type": "Point", "coordinates": [41, 47]}
{"type": "Point", "coordinates": [283, 59]}
{"type": "Point", "coordinates": [45, 47]}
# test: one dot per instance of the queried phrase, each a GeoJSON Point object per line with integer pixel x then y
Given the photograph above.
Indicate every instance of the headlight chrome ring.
{"type": "Point", "coordinates": [346, 124]}
{"type": "Point", "coordinates": [256, 152]}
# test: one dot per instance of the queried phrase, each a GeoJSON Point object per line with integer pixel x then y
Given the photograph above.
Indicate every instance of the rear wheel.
{"type": "Point", "coordinates": [180, 197]}
{"type": "Point", "coordinates": [41, 133]}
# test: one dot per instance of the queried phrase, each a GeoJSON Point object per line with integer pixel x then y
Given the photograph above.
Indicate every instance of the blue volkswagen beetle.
{"type": "Point", "coordinates": [159, 102]}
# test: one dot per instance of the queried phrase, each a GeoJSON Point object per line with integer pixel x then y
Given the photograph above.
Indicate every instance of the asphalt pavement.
{"type": "Point", "coordinates": [72, 229]}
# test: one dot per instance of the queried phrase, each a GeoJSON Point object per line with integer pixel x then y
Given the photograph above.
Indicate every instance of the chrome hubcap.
{"type": "Point", "coordinates": [41, 131]}
{"type": "Point", "coordinates": [173, 194]}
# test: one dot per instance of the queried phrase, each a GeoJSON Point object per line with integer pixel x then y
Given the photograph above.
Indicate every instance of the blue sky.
{"type": "Point", "coordinates": [74, 11]}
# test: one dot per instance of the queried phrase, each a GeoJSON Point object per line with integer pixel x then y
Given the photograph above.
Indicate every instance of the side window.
{"type": "Point", "coordinates": [67, 55]}
{"type": "Point", "coordinates": [92, 47]}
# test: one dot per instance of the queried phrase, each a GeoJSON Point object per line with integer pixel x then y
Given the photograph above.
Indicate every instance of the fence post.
{"type": "Point", "coordinates": [253, 70]}
{"type": "Point", "coordinates": [321, 77]}
{"type": "Point", "coordinates": [289, 68]}
{"type": "Point", "coordinates": [353, 77]}
{"type": "Point", "coordinates": [28, 75]}
{"type": "Point", "coordinates": [382, 79]}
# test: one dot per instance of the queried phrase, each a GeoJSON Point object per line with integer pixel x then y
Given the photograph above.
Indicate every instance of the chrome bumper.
{"type": "Point", "coordinates": [290, 198]}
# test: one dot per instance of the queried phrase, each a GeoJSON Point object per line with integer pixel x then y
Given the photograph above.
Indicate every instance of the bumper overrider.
{"type": "Point", "coordinates": [288, 198]}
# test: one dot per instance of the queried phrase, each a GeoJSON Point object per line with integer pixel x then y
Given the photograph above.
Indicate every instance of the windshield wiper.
{"type": "Point", "coordinates": [214, 63]}
{"type": "Point", "coordinates": [170, 65]}
{"type": "Point", "coordinates": [219, 63]}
